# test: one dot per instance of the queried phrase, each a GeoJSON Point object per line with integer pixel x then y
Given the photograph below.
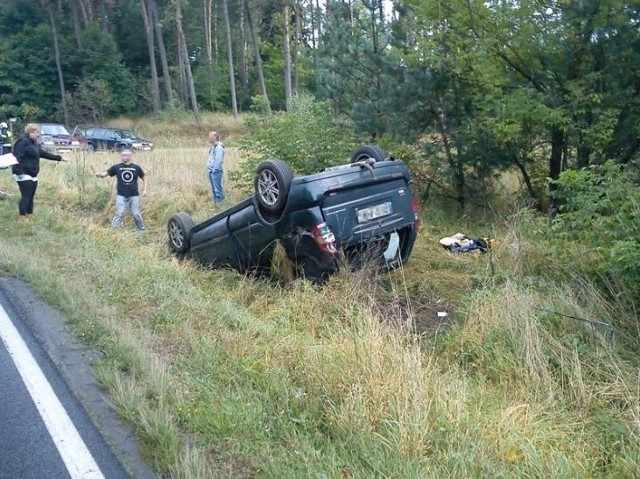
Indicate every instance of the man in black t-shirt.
{"type": "Point", "coordinates": [127, 196]}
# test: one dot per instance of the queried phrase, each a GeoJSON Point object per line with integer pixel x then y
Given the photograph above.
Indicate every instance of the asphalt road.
{"type": "Point", "coordinates": [55, 420]}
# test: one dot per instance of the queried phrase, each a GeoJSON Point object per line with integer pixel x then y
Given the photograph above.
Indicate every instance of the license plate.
{"type": "Point", "coordinates": [373, 212]}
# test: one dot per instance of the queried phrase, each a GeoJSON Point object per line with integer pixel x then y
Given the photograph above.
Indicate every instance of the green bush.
{"type": "Point", "coordinates": [599, 208]}
{"type": "Point", "coordinates": [306, 137]}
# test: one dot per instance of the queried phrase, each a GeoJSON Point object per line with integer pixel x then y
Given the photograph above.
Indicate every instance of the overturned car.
{"type": "Point", "coordinates": [356, 214]}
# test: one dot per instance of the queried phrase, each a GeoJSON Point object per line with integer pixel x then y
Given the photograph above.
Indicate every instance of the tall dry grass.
{"type": "Point", "coordinates": [228, 376]}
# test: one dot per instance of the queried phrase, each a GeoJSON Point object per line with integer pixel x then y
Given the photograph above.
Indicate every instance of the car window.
{"type": "Point", "coordinates": [53, 130]}
{"type": "Point", "coordinates": [127, 134]}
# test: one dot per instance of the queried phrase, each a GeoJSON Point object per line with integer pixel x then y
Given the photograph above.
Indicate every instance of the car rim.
{"type": "Point", "coordinates": [268, 187]}
{"type": "Point", "coordinates": [176, 235]}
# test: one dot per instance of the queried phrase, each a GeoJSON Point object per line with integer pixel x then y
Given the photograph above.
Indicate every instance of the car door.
{"type": "Point", "coordinates": [111, 139]}
{"type": "Point", "coordinates": [95, 134]}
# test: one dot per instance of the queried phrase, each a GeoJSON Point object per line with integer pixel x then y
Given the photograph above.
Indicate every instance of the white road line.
{"type": "Point", "coordinates": [72, 449]}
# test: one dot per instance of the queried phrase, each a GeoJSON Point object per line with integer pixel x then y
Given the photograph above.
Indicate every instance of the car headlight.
{"type": "Point", "coordinates": [48, 142]}
{"type": "Point", "coordinates": [75, 143]}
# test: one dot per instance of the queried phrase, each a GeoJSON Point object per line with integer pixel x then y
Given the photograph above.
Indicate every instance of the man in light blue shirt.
{"type": "Point", "coordinates": [214, 167]}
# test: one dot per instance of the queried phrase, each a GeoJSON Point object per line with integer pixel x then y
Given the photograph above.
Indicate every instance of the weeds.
{"type": "Point", "coordinates": [230, 376]}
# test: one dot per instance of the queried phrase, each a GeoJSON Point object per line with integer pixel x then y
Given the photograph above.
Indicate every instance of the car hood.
{"type": "Point", "coordinates": [57, 138]}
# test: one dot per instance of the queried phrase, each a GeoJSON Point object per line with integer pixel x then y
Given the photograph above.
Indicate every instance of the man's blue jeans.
{"type": "Point", "coordinates": [133, 202]}
{"type": "Point", "coordinates": [215, 177]}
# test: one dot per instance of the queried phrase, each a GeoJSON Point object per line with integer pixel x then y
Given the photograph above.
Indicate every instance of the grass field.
{"type": "Point", "coordinates": [228, 376]}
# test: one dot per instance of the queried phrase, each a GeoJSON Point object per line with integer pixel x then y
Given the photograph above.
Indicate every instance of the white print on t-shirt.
{"type": "Point", "coordinates": [127, 174]}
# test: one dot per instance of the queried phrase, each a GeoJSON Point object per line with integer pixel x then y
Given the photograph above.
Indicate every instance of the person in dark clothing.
{"type": "Point", "coordinates": [5, 138]}
{"type": "Point", "coordinates": [25, 172]}
{"type": "Point", "coordinates": [127, 195]}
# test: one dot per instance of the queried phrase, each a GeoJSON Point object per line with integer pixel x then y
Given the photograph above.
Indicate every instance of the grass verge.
{"type": "Point", "coordinates": [226, 376]}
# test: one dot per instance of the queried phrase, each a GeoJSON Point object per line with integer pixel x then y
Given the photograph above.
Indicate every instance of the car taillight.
{"type": "Point", "coordinates": [325, 238]}
{"type": "Point", "coordinates": [416, 217]}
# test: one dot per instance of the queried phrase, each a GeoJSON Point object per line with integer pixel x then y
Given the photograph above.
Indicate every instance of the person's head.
{"type": "Point", "coordinates": [32, 130]}
{"type": "Point", "coordinates": [214, 137]}
{"type": "Point", "coordinates": [3, 125]}
{"type": "Point", "coordinates": [126, 156]}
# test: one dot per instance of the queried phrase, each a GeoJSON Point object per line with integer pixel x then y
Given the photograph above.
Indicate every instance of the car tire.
{"type": "Point", "coordinates": [179, 229]}
{"type": "Point", "coordinates": [90, 148]}
{"type": "Point", "coordinates": [272, 184]}
{"type": "Point", "coordinates": [365, 152]}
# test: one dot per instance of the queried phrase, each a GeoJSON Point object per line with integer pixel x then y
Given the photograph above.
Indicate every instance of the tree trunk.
{"type": "Point", "coordinates": [244, 69]}
{"type": "Point", "coordinates": [56, 49]}
{"type": "Point", "coordinates": [86, 13]}
{"type": "Point", "coordinates": [256, 54]}
{"type": "Point", "coordinates": [155, 21]}
{"type": "Point", "coordinates": [296, 45]}
{"type": "Point", "coordinates": [460, 184]}
{"type": "Point", "coordinates": [315, 30]}
{"type": "Point", "coordinates": [232, 82]}
{"type": "Point", "coordinates": [183, 96]}
{"type": "Point", "coordinates": [186, 64]}
{"type": "Point", "coordinates": [77, 29]}
{"type": "Point", "coordinates": [527, 181]}
{"type": "Point", "coordinates": [102, 9]}
{"type": "Point", "coordinates": [583, 152]}
{"type": "Point", "coordinates": [208, 42]}
{"type": "Point", "coordinates": [555, 162]}
{"type": "Point", "coordinates": [374, 31]}
{"type": "Point", "coordinates": [287, 55]}
{"type": "Point", "coordinates": [455, 164]}
{"type": "Point", "coordinates": [148, 33]}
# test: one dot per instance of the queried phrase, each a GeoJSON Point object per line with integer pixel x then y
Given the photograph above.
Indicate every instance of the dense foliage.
{"type": "Point", "coordinates": [475, 88]}
{"type": "Point", "coordinates": [306, 137]}
{"type": "Point", "coordinates": [600, 208]}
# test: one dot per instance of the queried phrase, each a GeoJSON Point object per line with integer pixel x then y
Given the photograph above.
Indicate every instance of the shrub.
{"type": "Point", "coordinates": [600, 208]}
{"type": "Point", "coordinates": [306, 137]}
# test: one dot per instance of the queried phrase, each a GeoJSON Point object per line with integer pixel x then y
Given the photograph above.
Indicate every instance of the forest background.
{"type": "Point", "coordinates": [537, 375]}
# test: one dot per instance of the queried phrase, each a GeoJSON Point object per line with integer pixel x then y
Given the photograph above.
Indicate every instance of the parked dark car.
{"type": "Point", "coordinates": [112, 139]}
{"type": "Point", "coordinates": [362, 212]}
{"type": "Point", "coordinates": [55, 138]}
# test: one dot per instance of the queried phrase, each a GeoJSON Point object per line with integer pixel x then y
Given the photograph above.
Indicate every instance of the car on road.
{"type": "Point", "coordinates": [55, 138]}
{"type": "Point", "coordinates": [358, 213]}
{"type": "Point", "coordinates": [111, 139]}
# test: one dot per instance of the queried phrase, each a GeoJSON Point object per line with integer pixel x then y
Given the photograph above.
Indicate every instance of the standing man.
{"type": "Point", "coordinates": [127, 196]}
{"type": "Point", "coordinates": [214, 167]}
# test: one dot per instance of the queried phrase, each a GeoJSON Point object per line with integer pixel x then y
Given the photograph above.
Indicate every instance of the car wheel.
{"type": "Point", "coordinates": [90, 148]}
{"type": "Point", "coordinates": [365, 152]}
{"type": "Point", "coordinates": [179, 229]}
{"type": "Point", "coordinates": [272, 184]}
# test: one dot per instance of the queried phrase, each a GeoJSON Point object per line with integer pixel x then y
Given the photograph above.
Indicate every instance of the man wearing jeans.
{"type": "Point", "coordinates": [214, 167]}
{"type": "Point", "coordinates": [127, 175]}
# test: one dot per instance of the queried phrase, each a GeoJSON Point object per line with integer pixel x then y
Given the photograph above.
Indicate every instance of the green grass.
{"type": "Point", "coordinates": [227, 376]}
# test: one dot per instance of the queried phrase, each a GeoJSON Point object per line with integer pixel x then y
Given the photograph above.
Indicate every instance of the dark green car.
{"type": "Point", "coordinates": [359, 213]}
